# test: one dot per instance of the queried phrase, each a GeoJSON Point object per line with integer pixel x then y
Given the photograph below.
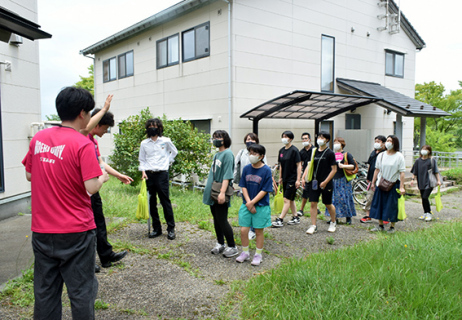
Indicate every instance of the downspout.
{"type": "Point", "coordinates": [230, 107]}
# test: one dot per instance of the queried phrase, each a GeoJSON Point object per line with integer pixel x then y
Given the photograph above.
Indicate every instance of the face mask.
{"type": "Point", "coordinates": [152, 132]}
{"type": "Point", "coordinates": [285, 141]}
{"type": "Point", "coordinates": [253, 158]}
{"type": "Point", "coordinates": [321, 142]}
{"type": "Point", "coordinates": [249, 143]}
{"type": "Point", "coordinates": [217, 143]}
{"type": "Point", "coordinates": [377, 146]}
{"type": "Point", "coordinates": [388, 145]}
{"type": "Point", "coordinates": [306, 143]}
{"type": "Point", "coordinates": [424, 152]}
{"type": "Point", "coordinates": [337, 146]}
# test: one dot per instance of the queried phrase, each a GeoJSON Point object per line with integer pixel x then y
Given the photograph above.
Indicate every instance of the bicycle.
{"type": "Point", "coordinates": [360, 185]}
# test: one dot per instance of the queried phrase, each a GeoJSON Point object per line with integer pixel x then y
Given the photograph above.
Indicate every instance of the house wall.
{"type": "Point", "coordinates": [20, 106]}
{"type": "Point", "coordinates": [276, 48]}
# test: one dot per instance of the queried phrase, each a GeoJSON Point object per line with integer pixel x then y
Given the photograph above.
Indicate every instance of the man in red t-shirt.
{"type": "Point", "coordinates": [64, 172]}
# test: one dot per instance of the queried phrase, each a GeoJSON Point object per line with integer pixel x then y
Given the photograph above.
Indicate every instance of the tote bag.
{"type": "Point", "coordinates": [278, 201]}
{"type": "Point", "coordinates": [439, 203]}
{"type": "Point", "coordinates": [142, 211]}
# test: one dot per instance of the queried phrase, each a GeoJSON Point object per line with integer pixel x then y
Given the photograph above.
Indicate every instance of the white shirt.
{"type": "Point", "coordinates": [156, 155]}
{"type": "Point", "coordinates": [390, 166]}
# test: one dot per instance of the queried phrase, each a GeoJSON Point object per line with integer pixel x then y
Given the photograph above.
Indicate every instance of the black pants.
{"type": "Point", "coordinates": [157, 184]}
{"type": "Point", "coordinates": [103, 247]}
{"type": "Point", "coordinates": [425, 194]}
{"type": "Point", "coordinates": [222, 227]}
{"type": "Point", "coordinates": [64, 258]}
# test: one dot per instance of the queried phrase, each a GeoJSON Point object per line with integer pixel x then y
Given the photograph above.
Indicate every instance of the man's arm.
{"type": "Point", "coordinates": [329, 177]}
{"type": "Point", "coordinates": [173, 151]}
{"type": "Point", "coordinates": [97, 117]}
{"type": "Point", "coordinates": [113, 172]}
{"type": "Point", "coordinates": [93, 185]}
{"type": "Point", "coordinates": [28, 176]}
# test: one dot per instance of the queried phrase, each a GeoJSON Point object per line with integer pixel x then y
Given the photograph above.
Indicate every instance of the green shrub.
{"type": "Point", "coordinates": [454, 174]}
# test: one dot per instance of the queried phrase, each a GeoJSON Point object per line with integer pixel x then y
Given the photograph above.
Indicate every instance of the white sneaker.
{"type": "Point", "coordinates": [300, 213]}
{"type": "Point", "coordinates": [252, 235]}
{"type": "Point", "coordinates": [312, 229]}
{"type": "Point", "coordinates": [422, 217]}
{"type": "Point", "coordinates": [332, 227]}
{"type": "Point", "coordinates": [428, 217]}
{"type": "Point", "coordinates": [294, 220]}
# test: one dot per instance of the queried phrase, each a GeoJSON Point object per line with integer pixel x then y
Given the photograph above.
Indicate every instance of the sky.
{"type": "Point", "coordinates": [76, 25]}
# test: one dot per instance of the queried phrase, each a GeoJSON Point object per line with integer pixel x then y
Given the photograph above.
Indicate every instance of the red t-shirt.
{"type": "Point", "coordinates": [59, 160]}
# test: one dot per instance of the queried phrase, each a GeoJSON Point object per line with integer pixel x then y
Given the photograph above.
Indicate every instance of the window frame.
{"type": "Point", "coordinates": [394, 54]}
{"type": "Point", "coordinates": [167, 53]}
{"type": "Point", "coordinates": [333, 63]}
{"type": "Point", "coordinates": [109, 61]}
{"type": "Point", "coordinates": [2, 171]}
{"type": "Point", "coordinates": [348, 116]}
{"type": "Point", "coordinates": [133, 62]}
{"type": "Point", "coordinates": [207, 54]}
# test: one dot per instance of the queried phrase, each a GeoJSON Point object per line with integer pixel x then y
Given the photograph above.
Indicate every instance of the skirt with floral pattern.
{"type": "Point", "coordinates": [342, 199]}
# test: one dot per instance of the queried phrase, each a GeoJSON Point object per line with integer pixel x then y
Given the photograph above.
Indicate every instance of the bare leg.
{"type": "Point", "coordinates": [303, 204]}
{"type": "Point", "coordinates": [260, 238]}
{"type": "Point", "coordinates": [245, 236]}
{"type": "Point", "coordinates": [293, 208]}
{"type": "Point", "coordinates": [285, 208]}
{"type": "Point", "coordinates": [314, 212]}
{"type": "Point", "coordinates": [331, 209]}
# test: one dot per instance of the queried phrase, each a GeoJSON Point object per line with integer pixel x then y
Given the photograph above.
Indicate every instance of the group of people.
{"type": "Point", "coordinates": [66, 172]}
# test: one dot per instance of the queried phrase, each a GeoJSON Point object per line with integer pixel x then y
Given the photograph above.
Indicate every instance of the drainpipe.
{"type": "Point", "coordinates": [229, 70]}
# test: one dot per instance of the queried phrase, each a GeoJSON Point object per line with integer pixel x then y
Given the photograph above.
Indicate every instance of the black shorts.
{"type": "Point", "coordinates": [326, 193]}
{"type": "Point", "coordinates": [306, 190]}
{"type": "Point", "coordinates": [289, 190]}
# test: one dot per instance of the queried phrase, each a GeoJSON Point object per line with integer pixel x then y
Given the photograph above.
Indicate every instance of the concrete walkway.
{"type": "Point", "coordinates": [16, 248]}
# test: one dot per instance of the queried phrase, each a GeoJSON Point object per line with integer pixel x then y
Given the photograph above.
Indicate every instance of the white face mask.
{"type": "Point", "coordinates": [337, 146]}
{"type": "Point", "coordinates": [253, 158]}
{"type": "Point", "coordinates": [388, 145]}
{"type": "Point", "coordinates": [285, 141]}
{"type": "Point", "coordinates": [377, 146]}
{"type": "Point", "coordinates": [306, 143]}
{"type": "Point", "coordinates": [424, 152]}
{"type": "Point", "coordinates": [321, 142]}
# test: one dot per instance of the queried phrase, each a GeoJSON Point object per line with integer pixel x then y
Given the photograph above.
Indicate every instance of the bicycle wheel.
{"type": "Point", "coordinates": [360, 191]}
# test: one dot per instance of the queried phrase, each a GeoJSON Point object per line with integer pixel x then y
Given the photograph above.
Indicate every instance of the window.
{"type": "Point", "coordinates": [202, 126]}
{"type": "Point", "coordinates": [168, 51]}
{"type": "Point", "coordinates": [196, 42]}
{"type": "Point", "coordinates": [2, 173]}
{"type": "Point", "coordinates": [394, 64]}
{"type": "Point", "coordinates": [327, 63]}
{"type": "Point", "coordinates": [126, 65]}
{"type": "Point", "coordinates": [109, 70]}
{"type": "Point", "coordinates": [352, 121]}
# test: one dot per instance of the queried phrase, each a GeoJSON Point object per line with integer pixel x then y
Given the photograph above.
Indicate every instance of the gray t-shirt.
{"type": "Point", "coordinates": [420, 170]}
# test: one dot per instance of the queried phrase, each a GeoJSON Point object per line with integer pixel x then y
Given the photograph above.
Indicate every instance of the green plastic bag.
{"type": "Point", "coordinates": [278, 202]}
{"type": "Point", "coordinates": [401, 208]}
{"type": "Point", "coordinates": [142, 211]}
{"type": "Point", "coordinates": [309, 176]}
{"type": "Point", "coordinates": [439, 203]}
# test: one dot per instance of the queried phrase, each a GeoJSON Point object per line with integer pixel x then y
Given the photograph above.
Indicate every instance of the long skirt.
{"type": "Point", "coordinates": [342, 199]}
{"type": "Point", "coordinates": [385, 204]}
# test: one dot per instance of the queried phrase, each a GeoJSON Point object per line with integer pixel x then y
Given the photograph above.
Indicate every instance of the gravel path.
{"type": "Point", "coordinates": [180, 279]}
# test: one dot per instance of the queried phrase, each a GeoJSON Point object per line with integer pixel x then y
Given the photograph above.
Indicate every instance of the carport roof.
{"type": "Point", "coordinates": [11, 22]}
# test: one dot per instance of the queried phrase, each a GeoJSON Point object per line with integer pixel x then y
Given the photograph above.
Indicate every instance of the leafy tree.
{"type": "Point", "coordinates": [87, 83]}
{"type": "Point", "coordinates": [53, 117]}
{"type": "Point", "coordinates": [194, 154]}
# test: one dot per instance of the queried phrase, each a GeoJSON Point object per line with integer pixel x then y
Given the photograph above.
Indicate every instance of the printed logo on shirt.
{"type": "Point", "coordinates": [217, 164]}
{"type": "Point", "coordinates": [162, 145]}
{"type": "Point", "coordinates": [253, 178]}
{"type": "Point", "coordinates": [57, 151]}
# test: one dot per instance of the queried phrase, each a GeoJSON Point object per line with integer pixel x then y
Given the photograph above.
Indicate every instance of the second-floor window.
{"type": "Point", "coordinates": [196, 42]}
{"type": "Point", "coordinates": [126, 64]}
{"type": "Point", "coordinates": [168, 51]}
{"type": "Point", "coordinates": [394, 64]}
{"type": "Point", "coordinates": [327, 63]}
{"type": "Point", "coordinates": [109, 69]}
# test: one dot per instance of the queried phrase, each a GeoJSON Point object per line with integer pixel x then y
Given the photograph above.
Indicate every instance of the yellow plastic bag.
{"type": "Point", "coordinates": [309, 176]}
{"type": "Point", "coordinates": [142, 211]}
{"type": "Point", "coordinates": [439, 203]}
{"type": "Point", "coordinates": [401, 208]}
{"type": "Point", "coordinates": [278, 202]}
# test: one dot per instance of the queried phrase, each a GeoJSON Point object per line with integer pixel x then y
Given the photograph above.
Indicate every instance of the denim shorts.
{"type": "Point", "coordinates": [259, 220]}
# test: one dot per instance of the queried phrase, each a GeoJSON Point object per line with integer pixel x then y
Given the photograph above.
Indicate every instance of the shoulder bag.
{"type": "Point", "coordinates": [384, 184]}
{"type": "Point", "coordinates": [350, 174]}
{"type": "Point", "coordinates": [216, 187]}
{"type": "Point", "coordinates": [432, 181]}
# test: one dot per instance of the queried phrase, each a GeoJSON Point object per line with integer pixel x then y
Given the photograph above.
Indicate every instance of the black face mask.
{"type": "Point", "coordinates": [217, 143]}
{"type": "Point", "coordinates": [152, 132]}
{"type": "Point", "coordinates": [249, 143]}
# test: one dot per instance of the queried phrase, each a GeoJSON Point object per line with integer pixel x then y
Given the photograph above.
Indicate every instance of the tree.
{"type": "Point", "coordinates": [87, 83]}
{"type": "Point", "coordinates": [194, 148]}
{"type": "Point", "coordinates": [53, 117]}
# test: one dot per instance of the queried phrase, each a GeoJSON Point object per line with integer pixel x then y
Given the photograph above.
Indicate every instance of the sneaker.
{"type": "Point", "coordinates": [278, 223]}
{"type": "Point", "coordinates": [391, 230]}
{"type": "Point", "coordinates": [219, 248]}
{"type": "Point", "coordinates": [332, 227]}
{"type": "Point", "coordinates": [312, 229]}
{"type": "Point", "coordinates": [423, 216]}
{"type": "Point", "coordinates": [252, 235]}
{"type": "Point", "coordinates": [378, 228]}
{"type": "Point", "coordinates": [243, 257]}
{"type": "Point", "coordinates": [230, 252]}
{"type": "Point", "coordinates": [294, 220]}
{"type": "Point", "coordinates": [428, 217]}
{"type": "Point", "coordinates": [300, 213]}
{"type": "Point", "coordinates": [366, 219]}
{"type": "Point", "coordinates": [257, 259]}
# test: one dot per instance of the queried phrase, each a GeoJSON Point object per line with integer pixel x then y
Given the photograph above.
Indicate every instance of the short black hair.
{"type": "Point", "coordinates": [381, 138]}
{"type": "Point", "coordinates": [71, 101]}
{"type": "Point", "coordinates": [289, 134]}
{"type": "Point", "coordinates": [306, 134]}
{"type": "Point", "coordinates": [106, 120]}
{"type": "Point", "coordinates": [155, 122]}
{"type": "Point", "coordinates": [325, 134]}
{"type": "Point", "coordinates": [395, 142]}
{"type": "Point", "coordinates": [252, 136]}
{"type": "Point", "coordinates": [257, 148]}
{"type": "Point", "coordinates": [223, 134]}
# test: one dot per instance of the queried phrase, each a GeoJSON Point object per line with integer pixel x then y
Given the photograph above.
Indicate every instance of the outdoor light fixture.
{"type": "Point", "coordinates": [7, 65]}
{"type": "Point", "coordinates": [352, 29]}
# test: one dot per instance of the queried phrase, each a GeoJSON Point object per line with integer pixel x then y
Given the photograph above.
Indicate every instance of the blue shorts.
{"type": "Point", "coordinates": [259, 220]}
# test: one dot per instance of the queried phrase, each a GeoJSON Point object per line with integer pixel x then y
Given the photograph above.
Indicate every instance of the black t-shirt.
{"type": "Point", "coordinates": [305, 156]}
{"type": "Point", "coordinates": [420, 170]}
{"type": "Point", "coordinates": [340, 173]}
{"type": "Point", "coordinates": [372, 160]}
{"type": "Point", "coordinates": [325, 159]}
{"type": "Point", "coordinates": [288, 159]}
